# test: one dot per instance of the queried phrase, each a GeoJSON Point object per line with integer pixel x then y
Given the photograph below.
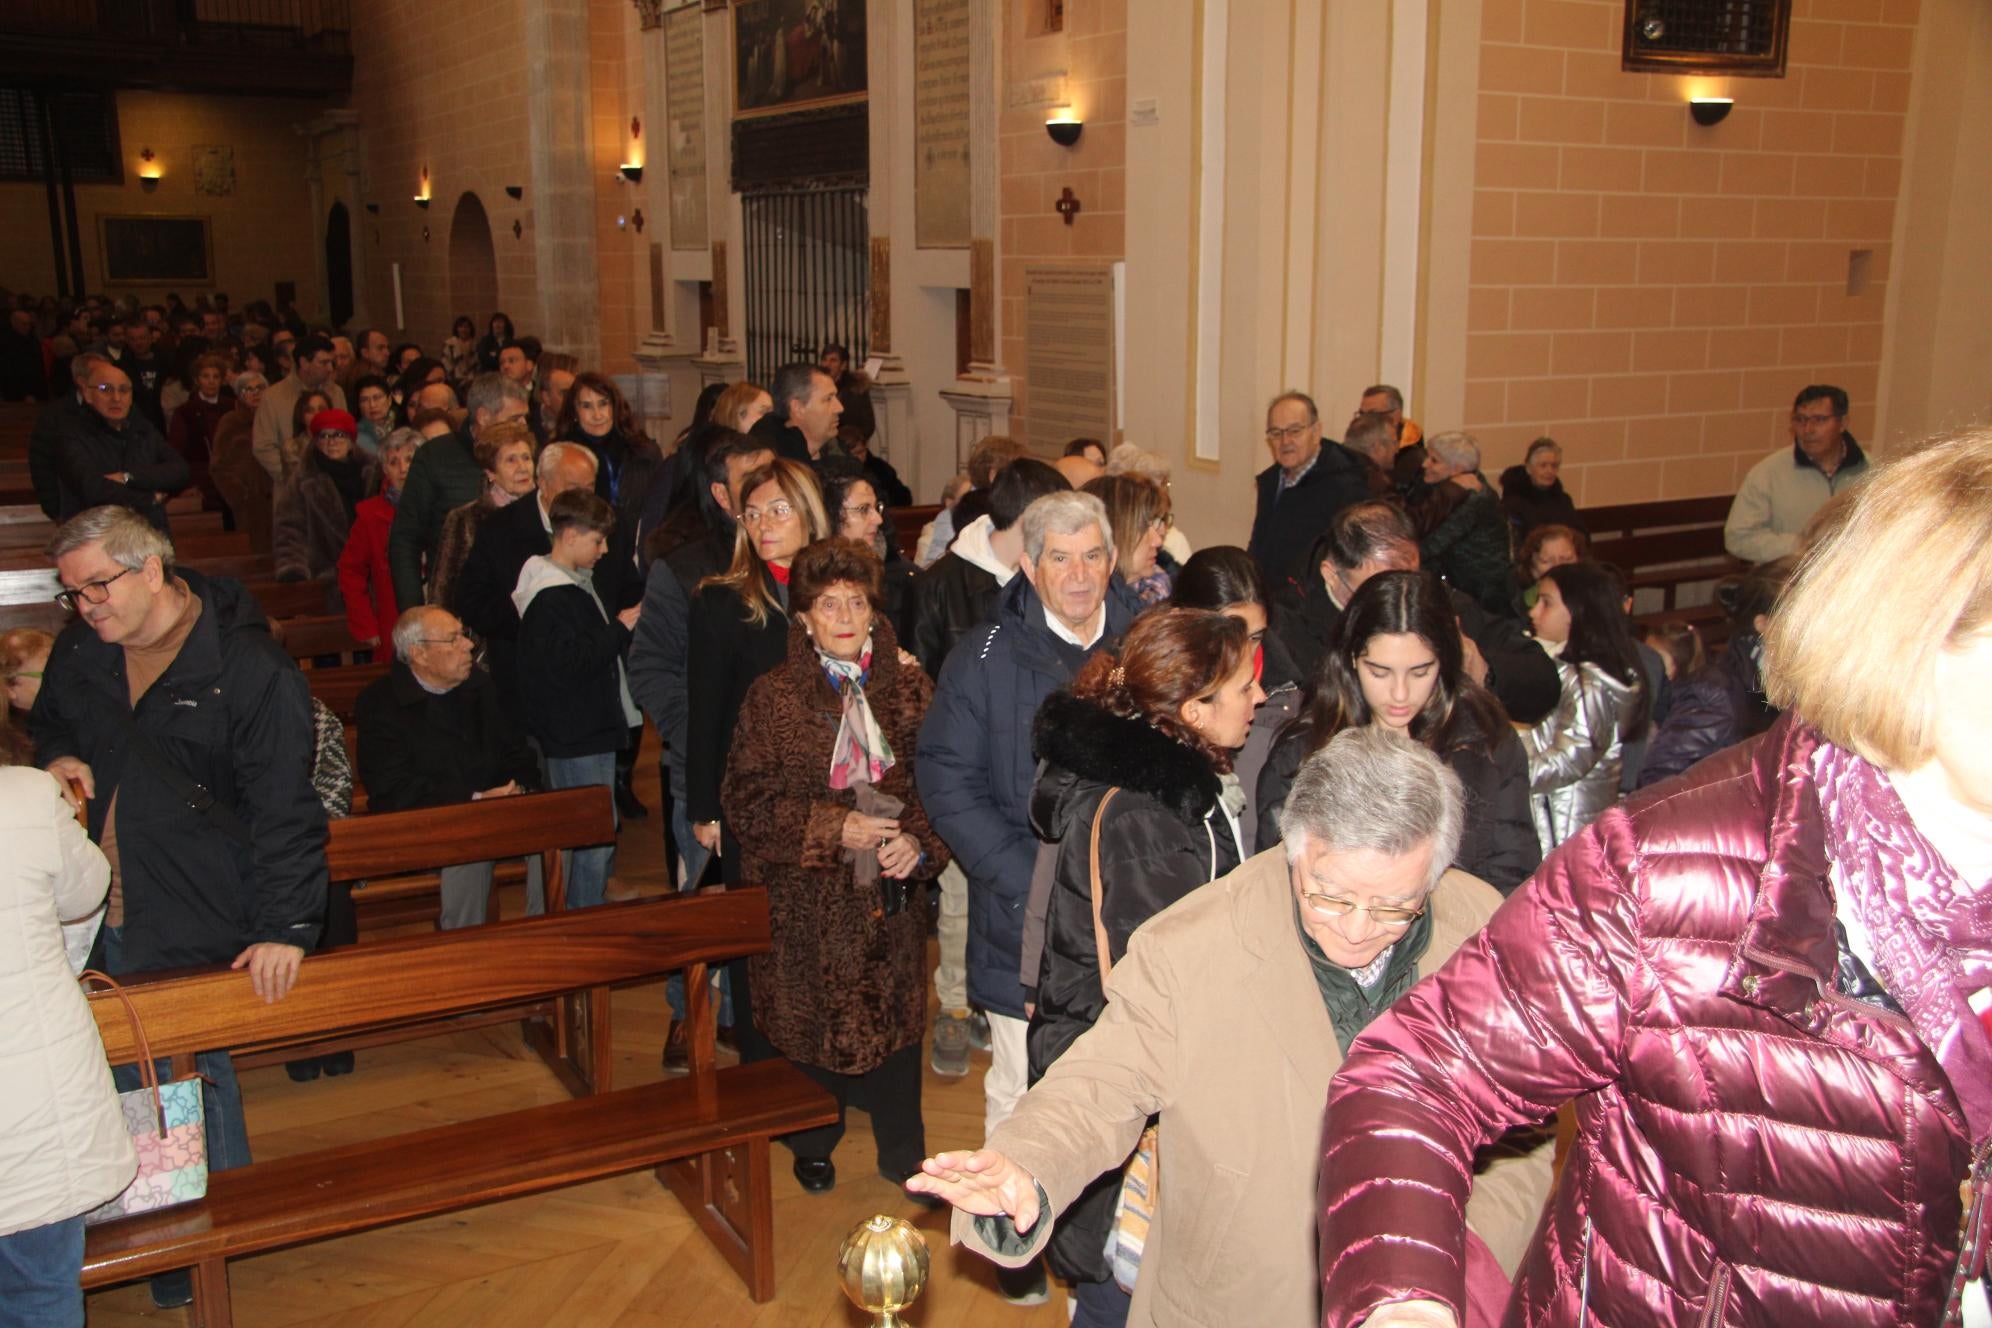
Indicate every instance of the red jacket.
{"type": "Point", "coordinates": [1753, 1147]}
{"type": "Point", "coordinates": [365, 580]}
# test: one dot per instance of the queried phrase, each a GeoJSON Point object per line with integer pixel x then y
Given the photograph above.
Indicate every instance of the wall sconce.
{"type": "Point", "coordinates": [422, 199]}
{"type": "Point", "coordinates": [515, 192]}
{"type": "Point", "coordinates": [1064, 127]}
{"type": "Point", "coordinates": [632, 172]}
{"type": "Point", "coordinates": [1710, 110]}
{"type": "Point", "coordinates": [149, 173]}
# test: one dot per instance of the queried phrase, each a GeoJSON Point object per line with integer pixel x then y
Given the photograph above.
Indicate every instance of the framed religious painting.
{"type": "Point", "coordinates": [790, 54]}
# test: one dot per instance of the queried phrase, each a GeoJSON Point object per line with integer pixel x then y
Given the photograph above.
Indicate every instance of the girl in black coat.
{"type": "Point", "coordinates": [1155, 728]}
{"type": "Point", "coordinates": [1397, 660]}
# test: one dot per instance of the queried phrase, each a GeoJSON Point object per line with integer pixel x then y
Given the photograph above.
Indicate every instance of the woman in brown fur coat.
{"type": "Point", "coordinates": [819, 789]}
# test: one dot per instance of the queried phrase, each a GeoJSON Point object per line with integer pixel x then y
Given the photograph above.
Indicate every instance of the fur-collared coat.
{"type": "Point", "coordinates": [844, 986]}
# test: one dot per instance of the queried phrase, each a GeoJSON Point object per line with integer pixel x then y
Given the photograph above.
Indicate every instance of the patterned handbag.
{"type": "Point", "coordinates": [167, 1126]}
{"type": "Point", "coordinates": [1135, 1208]}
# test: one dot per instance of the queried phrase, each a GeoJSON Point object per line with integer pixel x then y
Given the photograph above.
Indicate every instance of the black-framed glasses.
{"type": "Point", "coordinates": [1383, 915]}
{"type": "Point", "coordinates": [90, 592]}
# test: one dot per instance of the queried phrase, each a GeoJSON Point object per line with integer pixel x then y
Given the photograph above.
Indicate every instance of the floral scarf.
{"type": "Point", "coordinates": [1931, 930]}
{"type": "Point", "coordinates": [859, 753]}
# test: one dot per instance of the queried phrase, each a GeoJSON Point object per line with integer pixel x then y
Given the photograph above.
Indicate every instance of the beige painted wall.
{"type": "Point", "coordinates": [262, 232]}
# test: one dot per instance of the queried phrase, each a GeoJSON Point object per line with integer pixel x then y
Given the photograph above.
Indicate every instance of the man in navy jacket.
{"type": "Point", "coordinates": [1300, 493]}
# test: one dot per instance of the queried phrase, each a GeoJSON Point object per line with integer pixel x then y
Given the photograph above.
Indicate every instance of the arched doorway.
{"type": "Point", "coordinates": [339, 264]}
{"type": "Point", "coordinates": [473, 263]}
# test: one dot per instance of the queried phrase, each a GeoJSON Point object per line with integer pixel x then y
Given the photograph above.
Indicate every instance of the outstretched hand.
{"type": "Point", "coordinates": [983, 1183]}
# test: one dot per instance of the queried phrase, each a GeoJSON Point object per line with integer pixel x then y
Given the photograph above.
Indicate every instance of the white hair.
{"type": "Point", "coordinates": [128, 538]}
{"type": "Point", "coordinates": [1373, 788]}
{"type": "Point", "coordinates": [1063, 514]}
{"type": "Point", "coordinates": [410, 626]}
{"type": "Point", "coordinates": [1128, 459]}
{"type": "Point", "coordinates": [409, 439]}
{"type": "Point", "coordinates": [1456, 451]}
{"type": "Point", "coordinates": [553, 454]}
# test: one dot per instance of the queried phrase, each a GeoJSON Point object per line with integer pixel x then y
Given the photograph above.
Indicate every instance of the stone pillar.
{"type": "Point", "coordinates": [891, 388]}
{"type": "Point", "coordinates": [659, 341]}
{"type": "Point", "coordinates": [560, 156]}
{"type": "Point", "coordinates": [981, 398]}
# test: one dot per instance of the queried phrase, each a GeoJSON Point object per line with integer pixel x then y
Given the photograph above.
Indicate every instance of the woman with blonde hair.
{"type": "Point", "coordinates": [741, 406]}
{"type": "Point", "coordinates": [1139, 511]}
{"type": "Point", "coordinates": [739, 629]}
{"type": "Point", "coordinates": [1762, 984]}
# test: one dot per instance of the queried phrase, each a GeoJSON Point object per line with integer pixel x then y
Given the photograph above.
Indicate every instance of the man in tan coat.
{"type": "Point", "coordinates": [1228, 1018]}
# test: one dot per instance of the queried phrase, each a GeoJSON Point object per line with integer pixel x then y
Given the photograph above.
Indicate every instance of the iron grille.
{"type": "Point", "coordinates": [808, 268]}
{"type": "Point", "coordinates": [84, 125]}
{"type": "Point", "coordinates": [1717, 36]}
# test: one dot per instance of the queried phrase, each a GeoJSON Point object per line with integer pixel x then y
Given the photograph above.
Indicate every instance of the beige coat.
{"type": "Point", "coordinates": [63, 1147]}
{"type": "Point", "coordinates": [1214, 1020]}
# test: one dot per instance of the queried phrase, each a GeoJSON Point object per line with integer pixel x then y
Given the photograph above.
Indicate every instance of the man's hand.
{"type": "Point", "coordinates": [272, 968]}
{"type": "Point", "coordinates": [1471, 659]}
{"type": "Point", "coordinates": [862, 832]}
{"type": "Point", "coordinates": [707, 833]}
{"type": "Point", "coordinates": [629, 616]}
{"type": "Point", "coordinates": [509, 789]}
{"type": "Point", "coordinates": [897, 860]}
{"type": "Point", "coordinates": [983, 1183]}
{"type": "Point", "coordinates": [371, 643]}
{"type": "Point", "coordinates": [66, 768]}
{"type": "Point", "coordinates": [1411, 1314]}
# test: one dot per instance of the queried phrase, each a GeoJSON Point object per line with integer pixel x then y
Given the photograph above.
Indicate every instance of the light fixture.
{"type": "Point", "coordinates": [1064, 127]}
{"type": "Point", "coordinates": [515, 192]}
{"type": "Point", "coordinates": [422, 198]}
{"type": "Point", "coordinates": [149, 173]}
{"type": "Point", "coordinates": [632, 172]}
{"type": "Point", "coordinates": [1710, 110]}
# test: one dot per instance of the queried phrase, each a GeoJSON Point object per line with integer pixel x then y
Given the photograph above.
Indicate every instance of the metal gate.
{"type": "Point", "coordinates": [808, 264]}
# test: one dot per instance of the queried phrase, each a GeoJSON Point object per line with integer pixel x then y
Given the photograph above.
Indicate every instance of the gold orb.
{"type": "Point", "coordinates": [883, 1266]}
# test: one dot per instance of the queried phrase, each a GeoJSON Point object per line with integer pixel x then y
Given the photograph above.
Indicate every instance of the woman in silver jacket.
{"type": "Point", "coordinates": [1577, 753]}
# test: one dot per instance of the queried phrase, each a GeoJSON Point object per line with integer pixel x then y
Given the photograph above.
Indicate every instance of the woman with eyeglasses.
{"type": "Point", "coordinates": [739, 630]}
{"type": "Point", "coordinates": [1397, 662]}
{"type": "Point", "coordinates": [856, 511]}
{"type": "Point", "coordinates": [1137, 793]}
{"type": "Point", "coordinates": [1138, 510]}
{"type": "Point", "coordinates": [820, 789]}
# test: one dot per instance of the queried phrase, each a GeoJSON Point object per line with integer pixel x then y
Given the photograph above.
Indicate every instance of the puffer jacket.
{"type": "Point", "coordinates": [1164, 834]}
{"type": "Point", "coordinates": [63, 1147]}
{"type": "Point", "coordinates": [1754, 1146]}
{"type": "Point", "coordinates": [1575, 754]}
{"type": "Point", "coordinates": [1709, 711]}
{"type": "Point", "coordinates": [1463, 536]}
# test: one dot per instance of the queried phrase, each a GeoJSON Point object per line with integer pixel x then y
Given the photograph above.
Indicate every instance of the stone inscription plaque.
{"type": "Point", "coordinates": [685, 134]}
{"type": "Point", "coordinates": [1068, 356]}
{"type": "Point", "coordinates": [940, 124]}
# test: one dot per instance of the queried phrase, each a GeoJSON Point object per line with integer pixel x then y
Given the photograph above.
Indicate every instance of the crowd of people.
{"type": "Point", "coordinates": [1350, 816]}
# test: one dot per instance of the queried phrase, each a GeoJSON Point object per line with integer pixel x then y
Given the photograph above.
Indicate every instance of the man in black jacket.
{"type": "Point", "coordinates": [433, 733]}
{"type": "Point", "coordinates": [190, 732]}
{"type": "Point", "coordinates": [58, 417]}
{"type": "Point", "coordinates": [803, 424]}
{"type": "Point", "coordinates": [505, 541]}
{"type": "Point", "coordinates": [1301, 491]}
{"type": "Point", "coordinates": [953, 596]}
{"type": "Point", "coordinates": [111, 455]}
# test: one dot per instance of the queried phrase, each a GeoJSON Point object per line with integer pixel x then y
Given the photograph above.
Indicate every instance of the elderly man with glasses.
{"type": "Point", "coordinates": [432, 733]}
{"type": "Point", "coordinates": [1300, 493]}
{"type": "Point", "coordinates": [110, 455]}
{"type": "Point", "coordinates": [1227, 1018]}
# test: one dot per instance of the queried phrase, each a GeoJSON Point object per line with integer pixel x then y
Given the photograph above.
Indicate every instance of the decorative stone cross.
{"type": "Point", "coordinates": [1067, 205]}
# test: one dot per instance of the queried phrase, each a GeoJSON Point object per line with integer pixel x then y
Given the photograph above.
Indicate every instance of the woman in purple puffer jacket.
{"type": "Point", "coordinates": [1759, 984]}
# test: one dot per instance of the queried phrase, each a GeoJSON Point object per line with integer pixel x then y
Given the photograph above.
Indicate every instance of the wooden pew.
{"type": "Point", "coordinates": [1663, 546]}
{"type": "Point", "coordinates": [27, 599]}
{"type": "Point", "coordinates": [340, 688]}
{"type": "Point", "coordinates": [306, 639]}
{"type": "Point", "coordinates": [398, 855]}
{"type": "Point", "coordinates": [707, 1134]}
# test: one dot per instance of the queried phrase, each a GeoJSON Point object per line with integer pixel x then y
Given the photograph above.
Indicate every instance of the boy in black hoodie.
{"type": "Point", "coordinates": [578, 704]}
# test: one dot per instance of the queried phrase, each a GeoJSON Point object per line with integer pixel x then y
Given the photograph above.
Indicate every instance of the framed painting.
{"type": "Point", "coordinates": [153, 251]}
{"type": "Point", "coordinates": [788, 54]}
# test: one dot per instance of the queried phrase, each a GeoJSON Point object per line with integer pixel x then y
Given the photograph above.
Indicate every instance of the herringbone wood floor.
{"type": "Point", "coordinates": [617, 1253]}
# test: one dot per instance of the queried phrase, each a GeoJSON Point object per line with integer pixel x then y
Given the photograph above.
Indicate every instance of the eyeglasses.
{"type": "Point", "coordinates": [455, 638]}
{"type": "Point", "coordinates": [111, 389]}
{"type": "Point", "coordinates": [90, 592]}
{"type": "Point", "coordinates": [754, 516]}
{"type": "Point", "coordinates": [1383, 915]}
{"type": "Point", "coordinates": [859, 509]}
{"type": "Point", "coordinates": [1291, 432]}
{"type": "Point", "coordinates": [1797, 418]}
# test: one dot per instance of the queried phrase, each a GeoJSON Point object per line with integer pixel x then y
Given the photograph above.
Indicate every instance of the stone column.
{"type": "Point", "coordinates": [658, 342]}
{"type": "Point", "coordinates": [560, 156]}
{"type": "Point", "coordinates": [981, 398]}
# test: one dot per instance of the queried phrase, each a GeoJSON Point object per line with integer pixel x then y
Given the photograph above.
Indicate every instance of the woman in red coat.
{"type": "Point", "coordinates": [364, 578]}
{"type": "Point", "coordinates": [1762, 985]}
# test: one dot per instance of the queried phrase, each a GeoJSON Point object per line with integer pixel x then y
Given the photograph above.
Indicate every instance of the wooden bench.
{"type": "Point", "coordinates": [398, 855]}
{"type": "Point", "coordinates": [1662, 546]}
{"type": "Point", "coordinates": [308, 639]}
{"type": "Point", "coordinates": [906, 525]}
{"type": "Point", "coordinates": [340, 688]}
{"type": "Point", "coordinates": [707, 1134]}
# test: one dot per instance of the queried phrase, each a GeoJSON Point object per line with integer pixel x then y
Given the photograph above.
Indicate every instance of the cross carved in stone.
{"type": "Point", "coordinates": [1067, 205]}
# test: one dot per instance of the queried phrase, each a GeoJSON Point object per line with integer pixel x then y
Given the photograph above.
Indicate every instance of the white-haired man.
{"type": "Point", "coordinates": [1227, 1018]}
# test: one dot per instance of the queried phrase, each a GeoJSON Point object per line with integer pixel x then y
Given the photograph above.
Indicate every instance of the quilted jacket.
{"type": "Point", "coordinates": [1575, 753]}
{"type": "Point", "coordinates": [1753, 1147]}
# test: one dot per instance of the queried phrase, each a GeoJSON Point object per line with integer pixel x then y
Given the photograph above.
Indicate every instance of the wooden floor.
{"type": "Point", "coordinates": [618, 1253]}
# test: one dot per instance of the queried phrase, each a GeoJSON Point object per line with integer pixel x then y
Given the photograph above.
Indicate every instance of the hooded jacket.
{"type": "Point", "coordinates": [233, 713]}
{"type": "Point", "coordinates": [953, 596]}
{"type": "Point", "coordinates": [1576, 753]}
{"type": "Point", "coordinates": [1754, 1144]}
{"type": "Point", "coordinates": [1164, 834]}
{"type": "Point", "coordinates": [570, 667]}
{"type": "Point", "coordinates": [977, 769]}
